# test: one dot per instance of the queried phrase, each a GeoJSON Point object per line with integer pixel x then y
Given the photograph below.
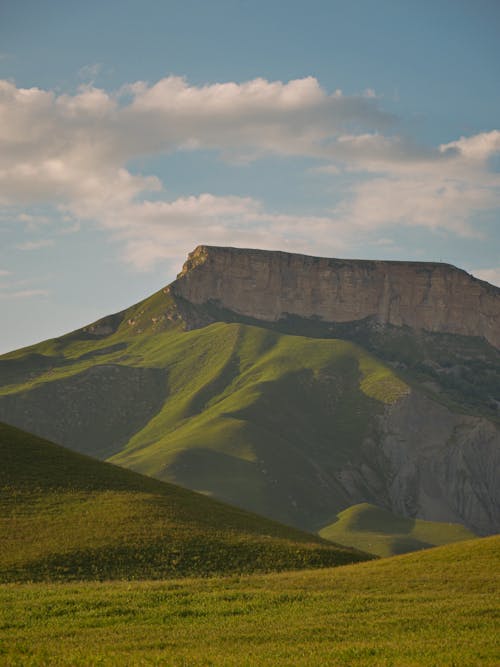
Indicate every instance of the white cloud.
{"type": "Point", "coordinates": [440, 188]}
{"type": "Point", "coordinates": [4, 272]}
{"type": "Point", "coordinates": [71, 151]}
{"type": "Point", "coordinates": [153, 231]}
{"type": "Point", "coordinates": [478, 147]}
{"type": "Point", "coordinates": [423, 200]}
{"type": "Point", "coordinates": [49, 143]}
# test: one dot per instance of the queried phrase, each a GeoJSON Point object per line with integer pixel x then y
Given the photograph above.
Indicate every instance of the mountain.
{"type": "Point", "coordinates": [66, 516]}
{"type": "Point", "coordinates": [291, 386]}
{"type": "Point", "coordinates": [379, 532]}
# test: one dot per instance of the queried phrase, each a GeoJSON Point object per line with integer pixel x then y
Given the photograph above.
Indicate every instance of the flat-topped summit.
{"type": "Point", "coordinates": [270, 285]}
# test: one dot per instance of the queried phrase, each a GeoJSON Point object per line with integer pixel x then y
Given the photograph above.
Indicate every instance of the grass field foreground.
{"type": "Point", "coordinates": [436, 607]}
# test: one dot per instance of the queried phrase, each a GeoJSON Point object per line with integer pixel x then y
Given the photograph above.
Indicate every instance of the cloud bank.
{"type": "Point", "coordinates": [73, 152]}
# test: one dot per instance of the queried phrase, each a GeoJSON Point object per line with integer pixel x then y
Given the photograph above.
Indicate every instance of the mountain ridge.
{"type": "Point", "coordinates": [269, 285]}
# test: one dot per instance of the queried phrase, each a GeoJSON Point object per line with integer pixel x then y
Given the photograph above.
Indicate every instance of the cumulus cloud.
{"type": "Point", "coordinates": [439, 188]}
{"type": "Point", "coordinates": [72, 151]}
{"type": "Point", "coordinates": [35, 245]}
{"type": "Point", "coordinates": [41, 131]}
{"type": "Point", "coordinates": [424, 200]}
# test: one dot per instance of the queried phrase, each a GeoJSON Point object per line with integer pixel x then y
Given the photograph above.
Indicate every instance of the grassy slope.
{"type": "Point", "coordinates": [66, 516]}
{"type": "Point", "coordinates": [377, 531]}
{"type": "Point", "coordinates": [436, 607]}
{"type": "Point", "coordinates": [241, 408]}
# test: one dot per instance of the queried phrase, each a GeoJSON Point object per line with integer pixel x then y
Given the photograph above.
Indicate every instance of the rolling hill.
{"type": "Point", "coordinates": [434, 607]}
{"type": "Point", "coordinates": [379, 532]}
{"type": "Point", "coordinates": [65, 516]}
{"type": "Point", "coordinates": [293, 417]}
{"type": "Point", "coordinates": [249, 415]}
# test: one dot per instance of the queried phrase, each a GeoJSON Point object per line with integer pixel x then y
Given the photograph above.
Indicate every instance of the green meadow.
{"type": "Point", "coordinates": [379, 532]}
{"type": "Point", "coordinates": [65, 516]}
{"type": "Point", "coordinates": [437, 608]}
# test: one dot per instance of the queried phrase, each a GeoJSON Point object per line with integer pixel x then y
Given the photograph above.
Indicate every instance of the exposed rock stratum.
{"type": "Point", "coordinates": [268, 285]}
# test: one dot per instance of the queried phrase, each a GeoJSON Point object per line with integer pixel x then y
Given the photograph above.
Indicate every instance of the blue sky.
{"type": "Point", "coordinates": [132, 131]}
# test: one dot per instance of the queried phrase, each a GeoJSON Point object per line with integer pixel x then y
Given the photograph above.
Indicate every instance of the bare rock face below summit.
{"type": "Point", "coordinates": [268, 285]}
{"type": "Point", "coordinates": [429, 463]}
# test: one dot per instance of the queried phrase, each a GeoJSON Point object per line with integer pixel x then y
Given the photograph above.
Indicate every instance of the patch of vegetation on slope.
{"type": "Point", "coordinates": [248, 407]}
{"type": "Point", "coordinates": [248, 414]}
{"type": "Point", "coordinates": [461, 372]}
{"type": "Point", "coordinates": [434, 607]}
{"type": "Point", "coordinates": [97, 410]}
{"type": "Point", "coordinates": [64, 516]}
{"type": "Point", "coordinates": [380, 532]}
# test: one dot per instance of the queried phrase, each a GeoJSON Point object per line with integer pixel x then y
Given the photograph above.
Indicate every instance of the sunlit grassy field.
{"type": "Point", "coordinates": [437, 608]}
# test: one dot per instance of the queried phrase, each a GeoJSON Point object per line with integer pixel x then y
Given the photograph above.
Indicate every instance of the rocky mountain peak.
{"type": "Point", "coordinates": [269, 285]}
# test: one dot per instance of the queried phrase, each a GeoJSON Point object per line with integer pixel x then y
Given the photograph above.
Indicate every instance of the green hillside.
{"type": "Point", "coordinates": [241, 412]}
{"type": "Point", "coordinates": [65, 516]}
{"type": "Point", "coordinates": [434, 607]}
{"type": "Point", "coordinates": [281, 419]}
{"type": "Point", "coordinates": [377, 531]}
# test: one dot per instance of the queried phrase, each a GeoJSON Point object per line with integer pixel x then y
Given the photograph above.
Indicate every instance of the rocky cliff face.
{"type": "Point", "coordinates": [428, 462]}
{"type": "Point", "coordinates": [269, 285]}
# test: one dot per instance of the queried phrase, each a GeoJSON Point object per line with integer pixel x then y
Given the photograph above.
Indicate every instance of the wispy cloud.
{"type": "Point", "coordinates": [35, 245]}
{"type": "Point", "coordinates": [160, 230]}
{"type": "Point", "coordinates": [89, 73]}
{"type": "Point", "coordinates": [32, 219]}
{"type": "Point", "coordinates": [73, 228]}
{"type": "Point", "coordinates": [24, 294]}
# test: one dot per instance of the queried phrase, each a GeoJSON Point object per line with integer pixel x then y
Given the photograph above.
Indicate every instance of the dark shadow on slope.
{"type": "Point", "coordinates": [462, 372]}
{"type": "Point", "coordinates": [95, 412]}
{"type": "Point", "coordinates": [403, 545]}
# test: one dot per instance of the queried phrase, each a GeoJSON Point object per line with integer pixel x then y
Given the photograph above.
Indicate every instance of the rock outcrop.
{"type": "Point", "coordinates": [269, 285]}
{"type": "Point", "coordinates": [430, 463]}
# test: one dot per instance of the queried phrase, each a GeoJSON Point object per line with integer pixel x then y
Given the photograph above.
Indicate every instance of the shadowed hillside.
{"type": "Point", "coordinates": [257, 418]}
{"type": "Point", "coordinates": [379, 532]}
{"type": "Point", "coordinates": [65, 516]}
